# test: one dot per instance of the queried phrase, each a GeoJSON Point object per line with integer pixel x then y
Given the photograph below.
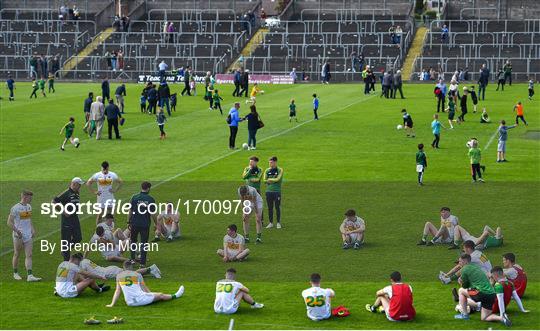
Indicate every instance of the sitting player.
{"type": "Point", "coordinates": [111, 231]}
{"type": "Point", "coordinates": [318, 300]}
{"type": "Point", "coordinates": [488, 238]}
{"type": "Point", "coordinates": [445, 233]}
{"type": "Point", "coordinates": [102, 237]}
{"type": "Point", "coordinates": [477, 258]}
{"type": "Point", "coordinates": [475, 285]}
{"type": "Point", "coordinates": [396, 300]}
{"type": "Point", "coordinates": [505, 291]}
{"type": "Point", "coordinates": [485, 117]}
{"type": "Point", "coordinates": [352, 230]}
{"type": "Point", "coordinates": [112, 271]}
{"type": "Point", "coordinates": [253, 95]}
{"type": "Point", "coordinates": [168, 224]}
{"type": "Point", "coordinates": [72, 281]}
{"type": "Point", "coordinates": [233, 246]}
{"type": "Point", "coordinates": [255, 206]}
{"type": "Point", "coordinates": [229, 294]}
{"type": "Point", "coordinates": [514, 272]}
{"type": "Point", "coordinates": [136, 293]}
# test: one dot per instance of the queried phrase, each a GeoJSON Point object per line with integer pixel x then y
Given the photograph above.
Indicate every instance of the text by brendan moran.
{"type": "Point", "coordinates": [66, 246]}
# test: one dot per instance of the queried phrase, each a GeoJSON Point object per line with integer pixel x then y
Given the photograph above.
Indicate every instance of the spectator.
{"type": "Point", "coordinates": [237, 81]}
{"type": "Point", "coordinates": [162, 67]}
{"type": "Point", "coordinates": [483, 82]}
{"type": "Point", "coordinates": [63, 14]}
{"type": "Point", "coordinates": [170, 32]}
{"type": "Point", "coordinates": [233, 120]}
{"type": "Point", "coordinates": [372, 79]}
{"type": "Point", "coordinates": [120, 60]}
{"type": "Point", "coordinates": [55, 65]}
{"type": "Point", "coordinates": [165, 28]}
{"type": "Point", "coordinates": [263, 14]}
{"type": "Point", "coordinates": [97, 112]}
{"type": "Point", "coordinates": [108, 58]}
{"type": "Point", "coordinates": [187, 76]}
{"type": "Point", "coordinates": [501, 79]}
{"type": "Point", "coordinates": [398, 83]}
{"type": "Point", "coordinates": [399, 34]}
{"type": "Point", "coordinates": [105, 89]}
{"type": "Point", "coordinates": [293, 75]}
{"type": "Point", "coordinates": [440, 93]}
{"type": "Point", "coordinates": [245, 23]}
{"type": "Point", "coordinates": [366, 78]}
{"type": "Point", "coordinates": [207, 80]}
{"type": "Point", "coordinates": [444, 34]}
{"type": "Point", "coordinates": [87, 104]}
{"type": "Point", "coordinates": [361, 61]}
{"type": "Point", "coordinates": [245, 83]}
{"type": "Point", "coordinates": [387, 82]}
{"type": "Point", "coordinates": [325, 73]}
{"type": "Point", "coordinates": [114, 55]}
{"type": "Point", "coordinates": [392, 32]}
{"type": "Point", "coordinates": [76, 13]}
{"type": "Point", "coordinates": [164, 93]}
{"type": "Point", "coordinates": [120, 93]}
{"type": "Point", "coordinates": [466, 74]}
{"type": "Point", "coordinates": [113, 113]}
{"type": "Point", "coordinates": [253, 125]}
{"type": "Point", "coordinates": [432, 73]}
{"type": "Point", "coordinates": [43, 65]}
{"type": "Point", "coordinates": [354, 61]}
{"type": "Point", "coordinates": [508, 72]}
{"type": "Point", "coordinates": [33, 67]}
{"type": "Point", "coordinates": [117, 23]}
{"type": "Point", "coordinates": [152, 98]}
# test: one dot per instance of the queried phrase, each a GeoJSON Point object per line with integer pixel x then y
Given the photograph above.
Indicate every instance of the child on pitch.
{"type": "Point", "coordinates": [217, 101]}
{"type": "Point", "coordinates": [474, 98]}
{"type": "Point", "coordinates": [50, 81]}
{"type": "Point", "coordinates": [421, 164]}
{"type": "Point", "coordinates": [68, 129]}
{"type": "Point", "coordinates": [503, 136]}
{"type": "Point", "coordinates": [518, 108]}
{"type": "Point", "coordinates": [160, 119]}
{"type": "Point", "coordinates": [315, 106]}
{"type": "Point", "coordinates": [475, 155]}
{"type": "Point", "coordinates": [485, 117]}
{"type": "Point", "coordinates": [292, 111]}
{"type": "Point", "coordinates": [192, 86]}
{"type": "Point", "coordinates": [209, 95]}
{"type": "Point", "coordinates": [253, 95]}
{"type": "Point", "coordinates": [174, 101]}
{"type": "Point", "coordinates": [35, 87]}
{"type": "Point", "coordinates": [451, 112]}
{"type": "Point", "coordinates": [436, 129]}
{"type": "Point", "coordinates": [41, 84]}
{"type": "Point", "coordinates": [143, 102]}
{"type": "Point", "coordinates": [408, 123]}
{"type": "Point", "coordinates": [531, 88]}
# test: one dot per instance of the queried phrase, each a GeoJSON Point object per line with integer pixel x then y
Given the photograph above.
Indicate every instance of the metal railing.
{"type": "Point", "coordinates": [202, 26]}
{"type": "Point", "coordinates": [60, 38]}
{"type": "Point", "coordinates": [476, 12]}
{"type": "Point", "coordinates": [491, 38]}
{"type": "Point", "coordinates": [37, 14]}
{"type": "Point", "coordinates": [49, 26]}
{"type": "Point", "coordinates": [191, 14]}
{"type": "Point", "coordinates": [26, 49]}
{"type": "Point", "coordinates": [529, 25]}
{"type": "Point", "coordinates": [346, 15]}
{"type": "Point", "coordinates": [478, 50]}
{"type": "Point", "coordinates": [135, 49]}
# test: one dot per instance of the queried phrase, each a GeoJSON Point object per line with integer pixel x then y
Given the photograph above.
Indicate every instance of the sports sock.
{"type": "Point", "coordinates": [29, 272]}
{"type": "Point", "coordinates": [454, 277]}
{"type": "Point", "coordinates": [15, 271]}
{"type": "Point", "coordinates": [259, 235]}
{"type": "Point", "coordinates": [458, 242]}
{"type": "Point", "coordinates": [173, 296]}
{"type": "Point", "coordinates": [424, 237]}
{"type": "Point", "coordinates": [434, 239]}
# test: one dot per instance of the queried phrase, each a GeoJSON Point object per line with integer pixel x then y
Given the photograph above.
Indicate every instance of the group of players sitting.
{"type": "Point", "coordinates": [484, 288]}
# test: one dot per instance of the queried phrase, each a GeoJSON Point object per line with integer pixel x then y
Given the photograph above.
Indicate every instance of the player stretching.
{"type": "Point", "coordinates": [445, 234]}
{"type": "Point", "coordinates": [112, 271]}
{"type": "Point", "coordinates": [318, 300]}
{"type": "Point", "coordinates": [230, 293]}
{"type": "Point", "coordinates": [68, 129]}
{"type": "Point", "coordinates": [255, 206]}
{"type": "Point", "coordinates": [233, 246]}
{"type": "Point", "coordinates": [20, 222]}
{"type": "Point", "coordinates": [488, 238]}
{"type": "Point", "coordinates": [136, 293]}
{"type": "Point", "coordinates": [352, 230]}
{"type": "Point", "coordinates": [72, 281]}
{"type": "Point", "coordinates": [396, 300]}
{"type": "Point", "coordinates": [168, 224]}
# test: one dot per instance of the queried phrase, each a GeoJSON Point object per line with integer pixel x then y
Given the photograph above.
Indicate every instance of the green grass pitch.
{"type": "Point", "coordinates": [353, 157]}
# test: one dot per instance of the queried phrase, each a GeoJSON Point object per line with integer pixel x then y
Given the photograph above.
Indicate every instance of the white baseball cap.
{"type": "Point", "coordinates": [77, 180]}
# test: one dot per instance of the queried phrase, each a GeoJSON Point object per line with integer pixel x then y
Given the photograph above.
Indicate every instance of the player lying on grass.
{"type": "Point", "coordinates": [515, 273]}
{"type": "Point", "coordinates": [230, 293]}
{"type": "Point", "coordinates": [445, 233]}
{"type": "Point", "coordinates": [233, 246]}
{"type": "Point", "coordinates": [72, 281]}
{"type": "Point", "coordinates": [136, 293]}
{"type": "Point", "coordinates": [106, 238]}
{"type": "Point", "coordinates": [318, 300]}
{"type": "Point", "coordinates": [475, 285]}
{"type": "Point", "coordinates": [477, 258]}
{"type": "Point", "coordinates": [68, 129]}
{"type": "Point", "coordinates": [20, 222]}
{"type": "Point", "coordinates": [488, 238]}
{"type": "Point", "coordinates": [505, 291]}
{"type": "Point", "coordinates": [352, 230]}
{"type": "Point", "coordinates": [395, 299]}
{"type": "Point", "coordinates": [112, 271]}
{"type": "Point", "coordinates": [168, 224]}
{"type": "Point", "coordinates": [255, 206]}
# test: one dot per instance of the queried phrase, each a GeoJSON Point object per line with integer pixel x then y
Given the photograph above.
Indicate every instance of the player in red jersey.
{"type": "Point", "coordinates": [396, 300]}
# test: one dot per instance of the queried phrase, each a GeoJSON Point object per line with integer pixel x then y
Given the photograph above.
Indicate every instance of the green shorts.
{"type": "Point", "coordinates": [69, 134]}
{"type": "Point", "coordinates": [493, 241]}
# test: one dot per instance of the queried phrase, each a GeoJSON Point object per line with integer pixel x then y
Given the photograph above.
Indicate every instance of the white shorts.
{"type": "Point", "coordinates": [229, 311]}
{"type": "Point", "coordinates": [106, 202]}
{"type": "Point", "coordinates": [355, 236]}
{"type": "Point", "coordinates": [141, 300]}
{"type": "Point", "coordinates": [442, 240]}
{"type": "Point", "coordinates": [113, 253]}
{"type": "Point", "coordinates": [468, 236]}
{"type": "Point", "coordinates": [66, 290]}
{"type": "Point", "coordinates": [112, 271]}
{"type": "Point", "coordinates": [26, 237]}
{"type": "Point", "coordinates": [169, 229]}
{"type": "Point", "coordinates": [257, 210]}
{"type": "Point", "coordinates": [501, 146]}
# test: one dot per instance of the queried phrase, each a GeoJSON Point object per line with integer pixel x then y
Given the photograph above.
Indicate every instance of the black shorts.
{"type": "Point", "coordinates": [486, 300]}
{"type": "Point", "coordinates": [409, 125]}
{"type": "Point", "coordinates": [292, 113]}
{"type": "Point", "coordinates": [451, 115]}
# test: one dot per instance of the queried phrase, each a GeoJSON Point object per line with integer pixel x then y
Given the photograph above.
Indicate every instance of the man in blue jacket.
{"type": "Point", "coordinates": [483, 82]}
{"type": "Point", "coordinates": [236, 79]}
{"type": "Point", "coordinates": [233, 119]}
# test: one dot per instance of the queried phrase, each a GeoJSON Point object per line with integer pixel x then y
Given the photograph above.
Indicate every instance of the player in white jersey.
{"type": "Point", "coordinates": [111, 251]}
{"type": "Point", "coordinates": [20, 222]}
{"type": "Point", "coordinates": [106, 181]}
{"type": "Point", "coordinates": [112, 233]}
{"type": "Point", "coordinates": [168, 224]}
{"type": "Point", "coordinates": [255, 206]}
{"type": "Point", "coordinates": [229, 294]}
{"type": "Point", "coordinates": [112, 271]}
{"type": "Point", "coordinates": [136, 293]}
{"type": "Point", "coordinates": [477, 257]}
{"type": "Point", "coordinates": [352, 230]}
{"type": "Point", "coordinates": [445, 233]}
{"type": "Point", "coordinates": [488, 238]}
{"type": "Point", "coordinates": [71, 280]}
{"type": "Point", "coordinates": [233, 246]}
{"type": "Point", "coordinates": [318, 300]}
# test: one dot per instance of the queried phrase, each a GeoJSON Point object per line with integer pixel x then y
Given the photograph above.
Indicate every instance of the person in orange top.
{"type": "Point", "coordinates": [519, 113]}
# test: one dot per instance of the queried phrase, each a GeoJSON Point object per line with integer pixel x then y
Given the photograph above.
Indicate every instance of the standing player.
{"type": "Point", "coordinates": [10, 83]}
{"type": "Point", "coordinates": [252, 174]}
{"type": "Point", "coordinates": [106, 181]}
{"type": "Point", "coordinates": [168, 224]}
{"type": "Point", "coordinates": [396, 300]}
{"type": "Point", "coordinates": [518, 108]}
{"type": "Point", "coordinates": [292, 111]}
{"type": "Point", "coordinates": [20, 222]}
{"type": "Point", "coordinates": [451, 112]}
{"type": "Point", "coordinates": [136, 293]}
{"type": "Point", "coordinates": [515, 273]}
{"type": "Point", "coordinates": [273, 177]}
{"type": "Point", "coordinates": [112, 271]}
{"type": "Point", "coordinates": [41, 84]}
{"type": "Point", "coordinates": [253, 95]}
{"type": "Point", "coordinates": [531, 88]}
{"type": "Point", "coordinates": [318, 300]}
{"type": "Point", "coordinates": [352, 230]}
{"type": "Point", "coordinates": [315, 106]}
{"type": "Point", "coordinates": [230, 293]}
{"type": "Point", "coordinates": [50, 81]}
{"type": "Point", "coordinates": [72, 281]}
{"type": "Point", "coordinates": [408, 123]}
{"type": "Point", "coordinates": [503, 137]}
{"type": "Point", "coordinates": [233, 246]}
{"type": "Point", "coordinates": [421, 164]}
{"type": "Point", "coordinates": [68, 130]}
{"type": "Point", "coordinates": [445, 234]}
{"type": "Point", "coordinates": [255, 206]}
